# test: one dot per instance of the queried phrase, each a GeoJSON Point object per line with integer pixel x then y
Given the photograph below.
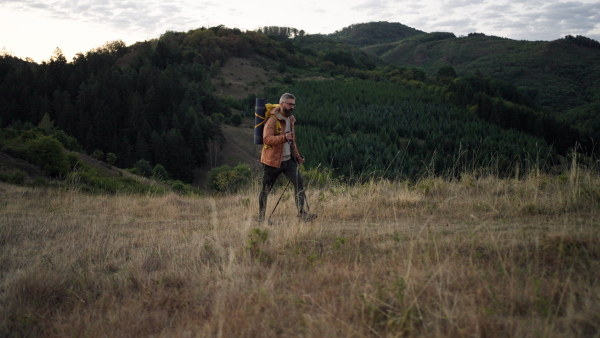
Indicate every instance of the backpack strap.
{"type": "Point", "coordinates": [268, 108]}
{"type": "Point", "coordinates": [278, 128]}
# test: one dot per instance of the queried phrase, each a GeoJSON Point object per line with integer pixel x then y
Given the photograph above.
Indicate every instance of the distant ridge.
{"type": "Point", "coordinates": [373, 33]}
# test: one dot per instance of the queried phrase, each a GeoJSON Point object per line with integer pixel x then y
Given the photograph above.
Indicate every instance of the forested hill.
{"type": "Point", "coordinates": [374, 33]}
{"type": "Point", "coordinates": [561, 76]}
{"type": "Point", "coordinates": [155, 101]}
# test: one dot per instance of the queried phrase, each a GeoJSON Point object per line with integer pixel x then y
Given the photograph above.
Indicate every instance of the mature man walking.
{"type": "Point", "coordinates": [281, 156]}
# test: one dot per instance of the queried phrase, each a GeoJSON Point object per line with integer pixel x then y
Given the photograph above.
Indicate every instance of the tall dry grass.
{"type": "Point", "coordinates": [476, 257]}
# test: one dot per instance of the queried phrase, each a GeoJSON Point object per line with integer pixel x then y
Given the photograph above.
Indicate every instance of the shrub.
{"type": "Point", "coordinates": [74, 161]}
{"type": "Point", "coordinates": [228, 179]}
{"type": "Point", "coordinates": [178, 187]}
{"type": "Point", "coordinates": [111, 158]}
{"type": "Point", "coordinates": [143, 168]}
{"type": "Point", "coordinates": [160, 173]}
{"type": "Point", "coordinates": [319, 176]}
{"type": "Point", "coordinates": [69, 142]}
{"type": "Point", "coordinates": [47, 153]}
{"type": "Point", "coordinates": [236, 119]}
{"type": "Point", "coordinates": [185, 189]}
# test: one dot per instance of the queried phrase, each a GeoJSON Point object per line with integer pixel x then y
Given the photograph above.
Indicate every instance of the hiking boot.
{"type": "Point", "coordinates": [306, 217]}
{"type": "Point", "coordinates": [262, 220]}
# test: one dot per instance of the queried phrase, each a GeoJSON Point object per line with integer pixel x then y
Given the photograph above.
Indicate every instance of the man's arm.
{"type": "Point", "coordinates": [269, 137]}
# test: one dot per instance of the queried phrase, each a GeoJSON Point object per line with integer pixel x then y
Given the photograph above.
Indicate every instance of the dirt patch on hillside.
{"type": "Point", "coordinates": [239, 77]}
{"type": "Point", "coordinates": [238, 148]}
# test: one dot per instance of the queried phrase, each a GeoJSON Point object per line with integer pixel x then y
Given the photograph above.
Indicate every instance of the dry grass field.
{"type": "Point", "coordinates": [476, 257]}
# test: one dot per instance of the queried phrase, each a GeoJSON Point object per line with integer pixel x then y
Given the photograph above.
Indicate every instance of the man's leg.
{"type": "Point", "coordinates": [270, 175]}
{"type": "Point", "coordinates": [292, 172]}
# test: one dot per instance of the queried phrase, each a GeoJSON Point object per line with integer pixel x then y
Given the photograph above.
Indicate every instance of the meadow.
{"type": "Point", "coordinates": [477, 256]}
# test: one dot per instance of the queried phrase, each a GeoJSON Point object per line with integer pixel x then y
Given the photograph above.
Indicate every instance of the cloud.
{"type": "Point", "coordinates": [138, 20]}
{"type": "Point", "coordinates": [455, 6]}
{"type": "Point", "coordinates": [516, 18]}
{"type": "Point", "coordinates": [550, 21]}
{"type": "Point", "coordinates": [372, 7]}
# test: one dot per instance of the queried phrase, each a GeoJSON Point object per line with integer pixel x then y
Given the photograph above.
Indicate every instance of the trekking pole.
{"type": "Point", "coordinates": [275, 207]}
{"type": "Point", "coordinates": [284, 190]}
{"type": "Point", "coordinates": [304, 189]}
{"type": "Point", "coordinates": [306, 201]}
{"type": "Point", "coordinates": [297, 170]}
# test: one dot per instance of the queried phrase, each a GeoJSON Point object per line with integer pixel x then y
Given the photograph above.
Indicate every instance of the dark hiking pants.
{"type": "Point", "coordinates": [270, 175]}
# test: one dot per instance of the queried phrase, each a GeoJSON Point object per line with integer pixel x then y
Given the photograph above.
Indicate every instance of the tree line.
{"type": "Point", "coordinates": [364, 127]}
{"type": "Point", "coordinates": [152, 101]}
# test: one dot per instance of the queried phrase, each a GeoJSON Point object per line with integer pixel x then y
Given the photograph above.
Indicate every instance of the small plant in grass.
{"type": "Point", "coordinates": [339, 242]}
{"type": "Point", "coordinates": [385, 311]}
{"type": "Point", "coordinates": [318, 176]}
{"type": "Point", "coordinates": [256, 239]}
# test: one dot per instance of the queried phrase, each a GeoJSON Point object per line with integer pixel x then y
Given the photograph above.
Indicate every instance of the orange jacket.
{"type": "Point", "coordinates": [274, 139]}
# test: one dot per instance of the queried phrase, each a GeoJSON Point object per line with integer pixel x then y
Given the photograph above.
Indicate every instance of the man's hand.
{"type": "Point", "coordinates": [289, 136]}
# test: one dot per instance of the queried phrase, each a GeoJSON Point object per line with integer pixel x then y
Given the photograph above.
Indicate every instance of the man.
{"type": "Point", "coordinates": [280, 156]}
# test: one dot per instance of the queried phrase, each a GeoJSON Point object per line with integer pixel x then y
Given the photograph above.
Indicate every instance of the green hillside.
{"type": "Point", "coordinates": [158, 102]}
{"type": "Point", "coordinates": [368, 128]}
{"type": "Point", "coordinates": [558, 75]}
{"type": "Point", "coordinates": [365, 34]}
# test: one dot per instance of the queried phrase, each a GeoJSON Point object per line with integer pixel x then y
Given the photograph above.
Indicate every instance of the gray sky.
{"type": "Point", "coordinates": [35, 28]}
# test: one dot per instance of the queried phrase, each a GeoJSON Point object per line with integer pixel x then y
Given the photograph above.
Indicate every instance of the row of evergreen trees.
{"type": "Point", "coordinates": [143, 110]}
{"type": "Point", "coordinates": [150, 101]}
{"type": "Point", "coordinates": [365, 127]}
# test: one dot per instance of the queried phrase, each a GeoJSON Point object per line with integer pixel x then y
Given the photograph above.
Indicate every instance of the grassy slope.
{"type": "Point", "coordinates": [239, 77]}
{"type": "Point", "coordinates": [238, 148]}
{"type": "Point", "coordinates": [476, 257]}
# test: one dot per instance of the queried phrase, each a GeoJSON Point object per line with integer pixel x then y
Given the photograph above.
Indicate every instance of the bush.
{"type": "Point", "coordinates": [160, 173]}
{"type": "Point", "coordinates": [69, 142]}
{"type": "Point", "coordinates": [228, 179]}
{"type": "Point", "coordinates": [184, 189]}
{"type": "Point", "coordinates": [319, 176]}
{"type": "Point", "coordinates": [111, 158]}
{"type": "Point", "coordinates": [236, 120]}
{"type": "Point", "coordinates": [48, 154]}
{"type": "Point", "coordinates": [74, 161]}
{"type": "Point", "coordinates": [143, 168]}
{"type": "Point", "coordinates": [178, 187]}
